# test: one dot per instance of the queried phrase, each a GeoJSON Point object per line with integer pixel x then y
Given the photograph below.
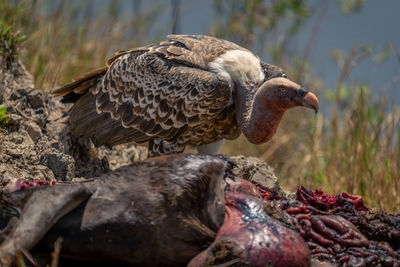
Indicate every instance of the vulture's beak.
{"type": "Point", "coordinates": [308, 99]}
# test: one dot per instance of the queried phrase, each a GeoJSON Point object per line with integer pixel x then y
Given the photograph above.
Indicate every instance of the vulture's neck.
{"type": "Point", "coordinates": [256, 114]}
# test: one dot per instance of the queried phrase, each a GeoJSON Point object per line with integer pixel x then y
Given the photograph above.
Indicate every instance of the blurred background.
{"type": "Point", "coordinates": [346, 51]}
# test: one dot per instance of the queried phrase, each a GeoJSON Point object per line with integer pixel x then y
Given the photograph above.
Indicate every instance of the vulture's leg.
{"type": "Point", "coordinates": [213, 148]}
{"type": "Point", "coordinates": [159, 147]}
{"type": "Point", "coordinates": [42, 210]}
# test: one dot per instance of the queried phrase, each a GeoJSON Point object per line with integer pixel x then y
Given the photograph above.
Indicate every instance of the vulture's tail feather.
{"type": "Point", "coordinates": [82, 84]}
{"type": "Point", "coordinates": [100, 128]}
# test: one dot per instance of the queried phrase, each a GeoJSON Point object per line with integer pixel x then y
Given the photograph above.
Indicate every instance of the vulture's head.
{"type": "Point", "coordinates": [284, 94]}
{"type": "Point", "coordinates": [259, 112]}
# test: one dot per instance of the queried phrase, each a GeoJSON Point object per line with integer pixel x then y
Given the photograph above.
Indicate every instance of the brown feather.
{"type": "Point", "coordinates": [75, 85]}
{"type": "Point", "coordinates": [101, 128]}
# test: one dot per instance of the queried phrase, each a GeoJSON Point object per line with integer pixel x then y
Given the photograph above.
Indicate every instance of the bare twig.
{"type": "Point", "coordinates": [29, 257]}
{"type": "Point", "coordinates": [23, 114]}
{"type": "Point", "coordinates": [392, 81]}
{"type": "Point", "coordinates": [396, 51]}
{"type": "Point", "coordinates": [175, 16]}
{"type": "Point", "coordinates": [19, 259]}
{"type": "Point", "coordinates": [228, 263]}
{"type": "Point", "coordinates": [350, 63]}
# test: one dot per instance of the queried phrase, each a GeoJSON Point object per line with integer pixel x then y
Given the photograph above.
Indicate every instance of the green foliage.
{"type": "Point", "coordinates": [3, 116]}
{"type": "Point", "coordinates": [68, 38]}
{"type": "Point", "coordinates": [337, 56]}
{"type": "Point", "coordinates": [243, 20]}
{"type": "Point", "coordinates": [349, 6]}
{"type": "Point", "coordinates": [330, 93]}
{"type": "Point", "coordinates": [10, 40]}
{"type": "Point", "coordinates": [381, 56]}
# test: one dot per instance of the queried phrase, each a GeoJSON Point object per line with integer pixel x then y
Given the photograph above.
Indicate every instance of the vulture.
{"type": "Point", "coordinates": [190, 90]}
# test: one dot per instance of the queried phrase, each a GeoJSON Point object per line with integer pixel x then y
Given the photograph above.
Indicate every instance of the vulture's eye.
{"type": "Point", "coordinates": [282, 89]}
{"type": "Point", "coordinates": [284, 75]}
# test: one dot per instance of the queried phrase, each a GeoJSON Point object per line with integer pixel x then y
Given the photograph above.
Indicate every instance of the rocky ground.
{"type": "Point", "coordinates": [35, 143]}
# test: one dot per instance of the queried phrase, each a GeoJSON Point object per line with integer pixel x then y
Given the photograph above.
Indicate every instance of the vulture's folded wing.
{"type": "Point", "coordinates": [150, 96]}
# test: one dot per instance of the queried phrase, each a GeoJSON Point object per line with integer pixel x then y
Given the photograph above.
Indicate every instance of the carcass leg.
{"type": "Point", "coordinates": [42, 210]}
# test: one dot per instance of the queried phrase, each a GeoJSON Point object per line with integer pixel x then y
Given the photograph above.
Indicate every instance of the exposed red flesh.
{"type": "Point", "coordinates": [326, 202]}
{"type": "Point", "coordinates": [252, 237]}
{"type": "Point", "coordinates": [18, 184]}
{"type": "Point", "coordinates": [329, 225]}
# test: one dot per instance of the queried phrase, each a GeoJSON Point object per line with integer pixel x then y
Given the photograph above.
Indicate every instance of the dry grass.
{"type": "Point", "coordinates": [68, 38]}
{"type": "Point", "coordinates": [356, 150]}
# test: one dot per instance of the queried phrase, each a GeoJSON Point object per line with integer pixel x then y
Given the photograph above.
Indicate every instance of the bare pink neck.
{"type": "Point", "coordinates": [256, 115]}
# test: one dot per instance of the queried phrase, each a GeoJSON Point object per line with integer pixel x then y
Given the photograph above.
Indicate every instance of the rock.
{"type": "Point", "coordinates": [92, 167]}
{"type": "Point", "coordinates": [13, 121]}
{"type": "Point", "coordinates": [122, 155]}
{"type": "Point", "coordinates": [62, 165]}
{"type": "Point", "coordinates": [257, 171]}
{"type": "Point", "coordinates": [35, 99]}
{"type": "Point", "coordinates": [17, 94]}
{"type": "Point", "coordinates": [15, 138]}
{"type": "Point", "coordinates": [78, 180]}
{"type": "Point", "coordinates": [6, 176]}
{"type": "Point", "coordinates": [42, 172]}
{"type": "Point", "coordinates": [34, 131]}
{"type": "Point", "coordinates": [14, 153]}
{"type": "Point", "coordinates": [57, 145]}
